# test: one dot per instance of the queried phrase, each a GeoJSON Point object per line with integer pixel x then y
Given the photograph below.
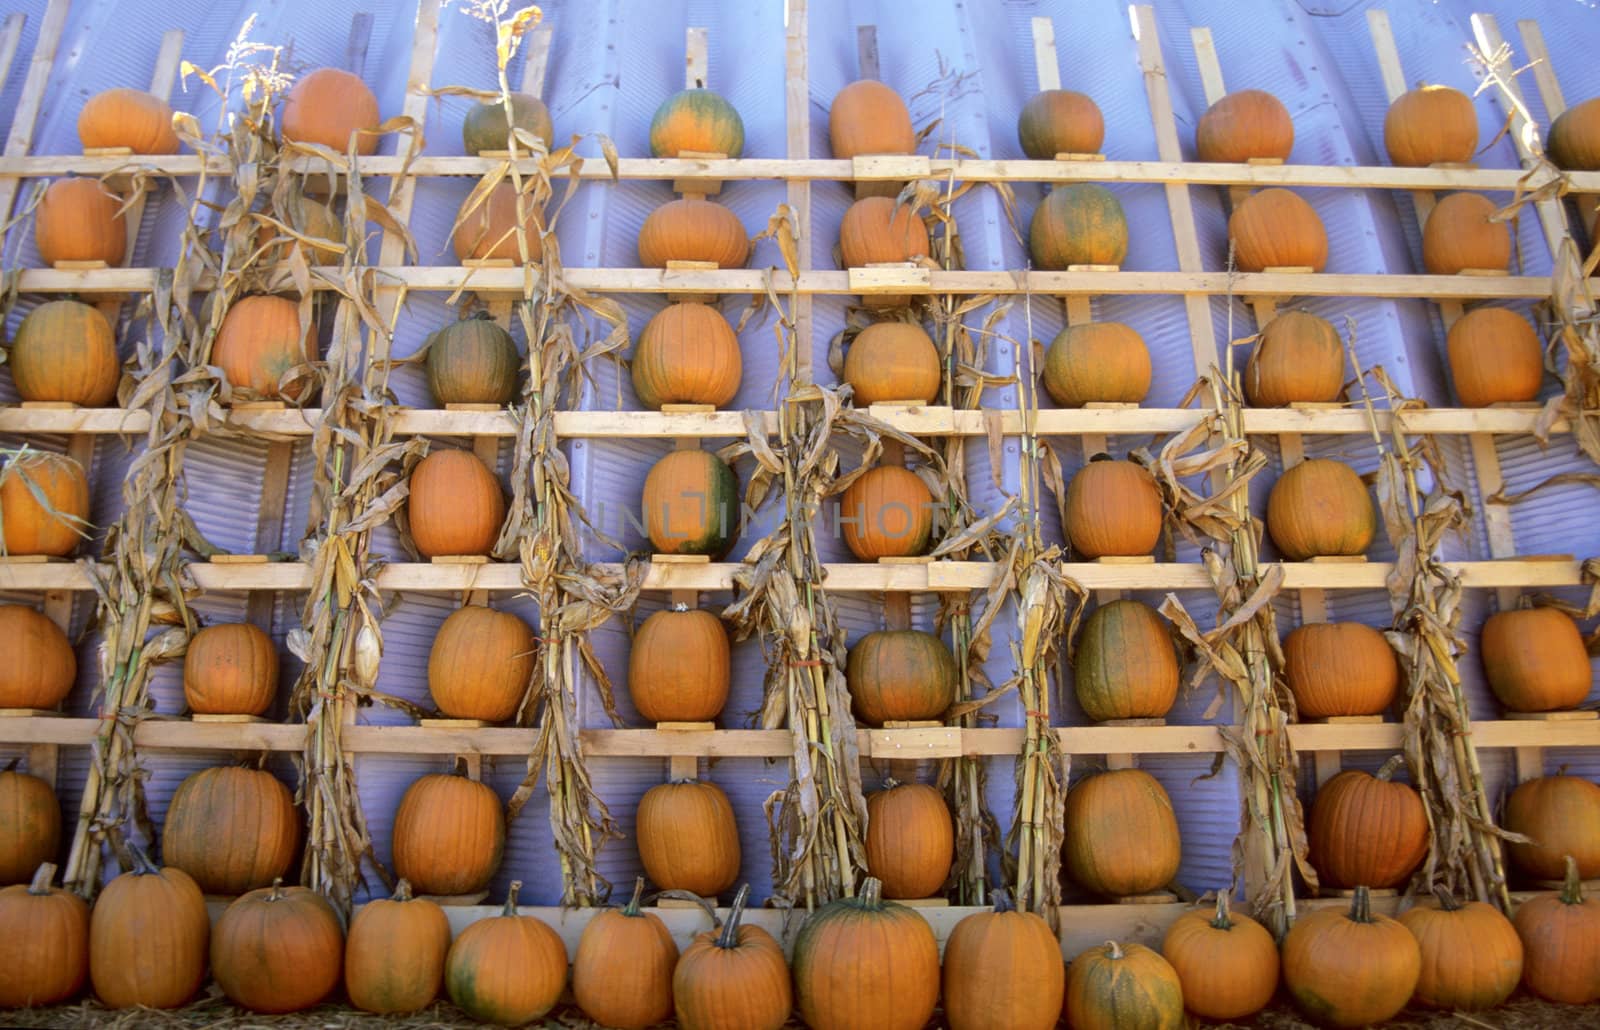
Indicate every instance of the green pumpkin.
{"type": "Point", "coordinates": [697, 120]}
{"type": "Point", "coordinates": [472, 362]}
{"type": "Point", "coordinates": [1125, 666]}
{"type": "Point", "coordinates": [1078, 224]}
{"type": "Point", "coordinates": [485, 125]}
{"type": "Point", "coordinates": [691, 504]}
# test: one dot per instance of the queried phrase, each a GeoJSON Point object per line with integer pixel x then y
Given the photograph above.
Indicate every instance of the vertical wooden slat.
{"type": "Point", "coordinates": [797, 115]}
{"type": "Point", "coordinates": [355, 53]}
{"type": "Point", "coordinates": [866, 50]}
{"type": "Point", "coordinates": [1045, 61]}
{"type": "Point", "coordinates": [10, 40]}
{"type": "Point", "coordinates": [536, 59]}
{"type": "Point", "coordinates": [696, 66]}
{"type": "Point", "coordinates": [26, 115]}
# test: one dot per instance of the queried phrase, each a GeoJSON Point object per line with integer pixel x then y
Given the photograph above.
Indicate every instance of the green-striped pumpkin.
{"type": "Point", "coordinates": [691, 504]}
{"type": "Point", "coordinates": [696, 120]}
{"type": "Point", "coordinates": [1125, 666]}
{"type": "Point", "coordinates": [472, 362]}
{"type": "Point", "coordinates": [1078, 224]}
{"type": "Point", "coordinates": [863, 961]}
{"type": "Point", "coordinates": [485, 125]}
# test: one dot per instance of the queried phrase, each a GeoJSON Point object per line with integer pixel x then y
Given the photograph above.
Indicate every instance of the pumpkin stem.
{"type": "Point", "coordinates": [1101, 456]}
{"type": "Point", "coordinates": [1391, 767]}
{"type": "Point", "coordinates": [872, 894]}
{"type": "Point", "coordinates": [680, 607]}
{"type": "Point", "coordinates": [481, 315]}
{"type": "Point", "coordinates": [729, 937]}
{"type": "Point", "coordinates": [277, 889]}
{"type": "Point", "coordinates": [1572, 887]}
{"type": "Point", "coordinates": [1113, 950]}
{"type": "Point", "coordinates": [402, 890]}
{"type": "Point", "coordinates": [1223, 920]}
{"type": "Point", "coordinates": [510, 907]}
{"type": "Point", "coordinates": [41, 878]}
{"type": "Point", "coordinates": [1361, 906]}
{"type": "Point", "coordinates": [11, 766]}
{"type": "Point", "coordinates": [142, 865]}
{"type": "Point", "coordinates": [632, 907]}
{"type": "Point", "coordinates": [1002, 900]}
{"type": "Point", "coordinates": [1447, 901]}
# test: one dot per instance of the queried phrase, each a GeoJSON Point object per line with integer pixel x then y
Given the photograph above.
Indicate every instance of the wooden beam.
{"type": "Point", "coordinates": [10, 40]}
{"type": "Point", "coordinates": [867, 52]}
{"type": "Point", "coordinates": [536, 59]}
{"type": "Point", "coordinates": [696, 64]}
{"type": "Point", "coordinates": [797, 123]}
{"type": "Point", "coordinates": [1045, 62]}
{"type": "Point", "coordinates": [26, 115]}
{"type": "Point", "coordinates": [355, 50]}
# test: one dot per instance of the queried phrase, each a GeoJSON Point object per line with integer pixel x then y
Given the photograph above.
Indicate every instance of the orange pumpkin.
{"type": "Point", "coordinates": [54, 527]}
{"type": "Point", "coordinates": [1535, 660]}
{"type": "Point", "coordinates": [1350, 968]}
{"type": "Point", "coordinates": [231, 829]}
{"type": "Point", "coordinates": [1471, 955]}
{"type": "Point", "coordinates": [40, 666]}
{"type": "Point", "coordinates": [887, 513]}
{"type": "Point", "coordinates": [733, 978]}
{"type": "Point", "coordinates": [449, 835]}
{"type": "Point", "coordinates": [893, 361]}
{"type": "Point", "coordinates": [261, 341]}
{"type": "Point", "coordinates": [30, 825]}
{"type": "Point", "coordinates": [1059, 121]}
{"type": "Point", "coordinates": [687, 354]}
{"type": "Point", "coordinates": [687, 837]}
{"type": "Point", "coordinates": [132, 118]}
{"type": "Point", "coordinates": [1227, 963]}
{"type": "Point", "coordinates": [44, 953]}
{"type": "Point", "coordinates": [331, 108]}
{"type": "Point", "coordinates": [1121, 834]}
{"type": "Point", "coordinates": [1561, 943]}
{"type": "Point", "coordinates": [1113, 508]}
{"type": "Point", "coordinates": [147, 938]}
{"type": "Point", "coordinates": [498, 227]}
{"type": "Point", "coordinates": [868, 117]}
{"type": "Point", "coordinates": [1298, 358]}
{"type": "Point", "coordinates": [1002, 971]}
{"type": "Point", "coordinates": [696, 120]}
{"type": "Point", "coordinates": [1251, 123]}
{"type": "Point", "coordinates": [1460, 235]}
{"type": "Point", "coordinates": [864, 962]}
{"type": "Point", "coordinates": [1365, 830]}
{"type": "Point", "coordinates": [1100, 362]}
{"type": "Point", "coordinates": [80, 220]}
{"type": "Point", "coordinates": [456, 504]}
{"type": "Point", "coordinates": [622, 973]}
{"type": "Point", "coordinates": [1340, 669]}
{"type": "Point", "coordinates": [1274, 228]}
{"type": "Point", "coordinates": [911, 840]}
{"type": "Point", "coordinates": [480, 664]}
{"type": "Point", "coordinates": [678, 670]}
{"type": "Point", "coordinates": [1125, 666]}
{"type": "Point", "coordinates": [902, 675]}
{"type": "Point", "coordinates": [65, 351]}
{"type": "Point", "coordinates": [1430, 125]}
{"type": "Point", "coordinates": [277, 949]}
{"type": "Point", "coordinates": [508, 969]}
{"type": "Point", "coordinates": [230, 669]}
{"type": "Point", "coordinates": [394, 954]}
{"type": "Point", "coordinates": [1560, 815]}
{"type": "Point", "coordinates": [691, 504]}
{"type": "Point", "coordinates": [876, 230]}
{"type": "Point", "coordinates": [693, 229]}
{"type": "Point", "coordinates": [1079, 223]}
{"type": "Point", "coordinates": [1574, 141]}
{"type": "Point", "coordinates": [1495, 356]}
{"type": "Point", "coordinates": [1320, 507]}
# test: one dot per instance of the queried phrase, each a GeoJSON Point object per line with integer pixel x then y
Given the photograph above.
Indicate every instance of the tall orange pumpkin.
{"type": "Point", "coordinates": [679, 668]}
{"type": "Point", "coordinates": [499, 227]}
{"type": "Point", "coordinates": [1227, 963]}
{"type": "Point", "coordinates": [1113, 508]}
{"type": "Point", "coordinates": [1060, 121]}
{"type": "Point", "coordinates": [1002, 971]}
{"type": "Point", "coordinates": [1102, 362]}
{"type": "Point", "coordinates": [1079, 223]}
{"type": "Point", "coordinates": [900, 675]}
{"type": "Point", "coordinates": [54, 527]}
{"type": "Point", "coordinates": [1320, 507]}
{"type": "Point", "coordinates": [40, 666]}
{"type": "Point", "coordinates": [1535, 660]}
{"type": "Point", "coordinates": [230, 669]}
{"type": "Point", "coordinates": [911, 840]}
{"type": "Point", "coordinates": [80, 220]}
{"type": "Point", "coordinates": [449, 835]}
{"type": "Point", "coordinates": [868, 117]}
{"type": "Point", "coordinates": [480, 664]}
{"type": "Point", "coordinates": [1574, 140]}
{"type": "Point", "coordinates": [687, 354]}
{"type": "Point", "coordinates": [1250, 123]}
{"type": "Point", "coordinates": [1561, 816]}
{"type": "Point", "coordinates": [260, 341]}
{"type": "Point", "coordinates": [1125, 666]}
{"type": "Point", "coordinates": [1274, 228]}
{"type": "Point", "coordinates": [887, 512]}
{"type": "Point", "coordinates": [456, 504]}
{"type": "Point", "coordinates": [1459, 235]}
{"type": "Point", "coordinates": [277, 949]}
{"type": "Point", "coordinates": [1350, 968]}
{"type": "Point", "coordinates": [691, 504]}
{"type": "Point", "coordinates": [148, 934]}
{"type": "Point", "coordinates": [1366, 830]}
{"type": "Point", "coordinates": [44, 953]}
{"type": "Point", "coordinates": [866, 962]}
{"type": "Point", "coordinates": [693, 229]}
{"type": "Point", "coordinates": [394, 953]}
{"type": "Point", "coordinates": [893, 361]}
{"type": "Point", "coordinates": [329, 107]}
{"type": "Point", "coordinates": [132, 118]}
{"type": "Point", "coordinates": [65, 350]}
{"type": "Point", "coordinates": [732, 978]}
{"type": "Point", "coordinates": [622, 973]}
{"type": "Point", "coordinates": [1430, 125]}
{"type": "Point", "coordinates": [30, 825]}
{"type": "Point", "coordinates": [1121, 834]}
{"type": "Point", "coordinates": [877, 230]}
{"type": "Point", "coordinates": [1495, 356]}
{"type": "Point", "coordinates": [509, 969]}
{"type": "Point", "coordinates": [231, 829]}
{"type": "Point", "coordinates": [1561, 943]}
{"type": "Point", "coordinates": [687, 837]}
{"type": "Point", "coordinates": [1298, 358]}
{"type": "Point", "coordinates": [1471, 955]}
{"type": "Point", "coordinates": [1340, 669]}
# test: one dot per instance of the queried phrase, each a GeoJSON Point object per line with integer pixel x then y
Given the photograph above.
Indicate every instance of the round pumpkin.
{"type": "Point", "coordinates": [80, 220]}
{"type": "Point", "coordinates": [1320, 507]}
{"type": "Point", "coordinates": [1535, 660]}
{"type": "Point", "coordinates": [1561, 815]}
{"type": "Point", "coordinates": [1560, 936]}
{"type": "Point", "coordinates": [1121, 834]}
{"type": "Point", "coordinates": [911, 840]}
{"type": "Point", "coordinates": [486, 128]}
{"type": "Point", "coordinates": [480, 664]}
{"type": "Point", "coordinates": [132, 118]}
{"type": "Point", "coordinates": [1298, 358]}
{"type": "Point", "coordinates": [277, 949]}
{"type": "Point", "coordinates": [1430, 125]}
{"type": "Point", "coordinates": [30, 825]}
{"type": "Point", "coordinates": [1367, 831]}
{"type": "Point", "coordinates": [887, 513]}
{"type": "Point", "coordinates": [688, 840]}
{"type": "Point", "coordinates": [449, 835]}
{"type": "Point", "coordinates": [508, 969]}
{"type": "Point", "coordinates": [54, 527]}
{"type": "Point", "coordinates": [1079, 223]}
{"type": "Point", "coordinates": [691, 504]}
{"type": "Point", "coordinates": [693, 229]}
{"type": "Point", "coordinates": [1459, 235]}
{"type": "Point", "coordinates": [1495, 356]}
{"type": "Point", "coordinates": [456, 504]}
{"type": "Point", "coordinates": [231, 829]}
{"type": "Point", "coordinates": [900, 675]}
{"type": "Point", "coordinates": [622, 973]}
{"type": "Point", "coordinates": [1350, 968]}
{"type": "Point", "coordinates": [1340, 669]}
{"type": "Point", "coordinates": [1249, 124]}
{"type": "Point", "coordinates": [44, 953]}
{"type": "Point", "coordinates": [1125, 666]}
{"type": "Point", "coordinates": [261, 341]}
{"type": "Point", "coordinates": [65, 351]}
{"type": "Point", "coordinates": [733, 978]}
{"type": "Point", "coordinates": [148, 934]}
{"type": "Point", "coordinates": [687, 354]}
{"type": "Point", "coordinates": [394, 954]}
{"type": "Point", "coordinates": [1471, 954]}
{"type": "Point", "coordinates": [696, 120]}
{"type": "Point", "coordinates": [1274, 228]}
{"type": "Point", "coordinates": [1122, 987]}
{"type": "Point", "coordinates": [230, 669]}
{"type": "Point", "coordinates": [472, 361]}
{"type": "Point", "coordinates": [1002, 971]}
{"type": "Point", "coordinates": [39, 669]}
{"type": "Point", "coordinates": [498, 227]}
{"type": "Point", "coordinates": [1060, 121]}
{"type": "Point", "coordinates": [893, 361]}
{"type": "Point", "coordinates": [876, 230]}
{"type": "Point", "coordinates": [1227, 963]}
{"type": "Point", "coordinates": [868, 117]}
{"type": "Point", "coordinates": [866, 962]}
{"type": "Point", "coordinates": [1098, 362]}
{"type": "Point", "coordinates": [679, 668]}
{"type": "Point", "coordinates": [1574, 141]}
{"type": "Point", "coordinates": [1113, 508]}
{"type": "Point", "coordinates": [330, 108]}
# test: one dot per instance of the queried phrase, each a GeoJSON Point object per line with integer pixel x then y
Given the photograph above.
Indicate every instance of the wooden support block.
{"type": "Point", "coordinates": [1487, 273]}
{"type": "Point", "coordinates": [107, 151]}
{"type": "Point", "coordinates": [1080, 308]}
{"type": "Point", "coordinates": [686, 727]}
{"type": "Point", "coordinates": [1349, 892]}
{"type": "Point", "coordinates": [912, 724]}
{"type": "Point", "coordinates": [1326, 765]}
{"type": "Point", "coordinates": [1125, 559]}
{"type": "Point", "coordinates": [681, 903]}
{"type": "Point", "coordinates": [913, 559]}
{"type": "Point", "coordinates": [1045, 62]}
{"type": "Point", "coordinates": [459, 559]}
{"type": "Point", "coordinates": [28, 713]}
{"type": "Point", "coordinates": [678, 297]}
{"type": "Point", "coordinates": [1126, 760]}
{"type": "Point", "coordinates": [896, 610]}
{"type": "Point", "coordinates": [225, 719]}
{"type": "Point", "coordinates": [886, 276]}
{"type": "Point", "coordinates": [698, 187]}
{"type": "Point", "coordinates": [1589, 886]}
{"type": "Point", "coordinates": [1094, 268]}
{"type": "Point", "coordinates": [1070, 156]}
{"type": "Point", "coordinates": [30, 559]}
{"type": "Point", "coordinates": [239, 559]}
{"type": "Point", "coordinates": [867, 51]}
{"type": "Point", "coordinates": [454, 724]}
{"type": "Point", "coordinates": [1529, 762]}
{"type": "Point", "coordinates": [80, 266]}
{"type": "Point", "coordinates": [474, 407]}
{"type": "Point", "coordinates": [1571, 715]}
{"type": "Point", "coordinates": [923, 902]}
{"type": "Point", "coordinates": [48, 406]}
{"type": "Point", "coordinates": [1337, 559]}
{"type": "Point", "coordinates": [455, 900]}
{"type": "Point", "coordinates": [684, 767]}
{"type": "Point", "coordinates": [1348, 720]}
{"type": "Point", "coordinates": [1152, 898]}
{"type": "Point", "coordinates": [257, 406]}
{"type": "Point", "coordinates": [680, 559]}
